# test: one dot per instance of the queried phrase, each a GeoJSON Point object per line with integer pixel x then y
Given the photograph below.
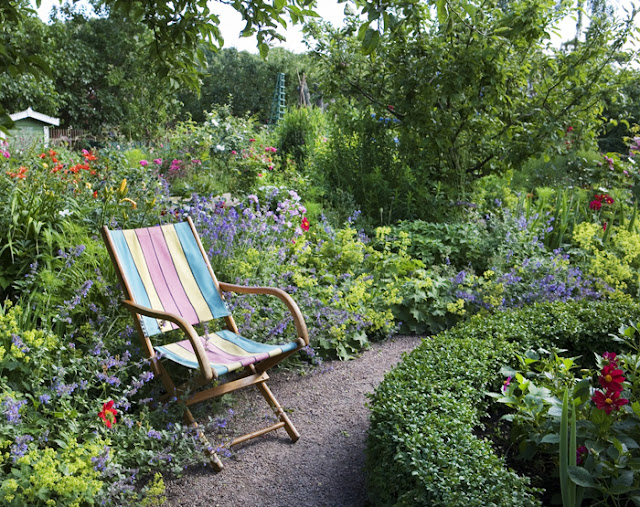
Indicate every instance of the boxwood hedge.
{"type": "Point", "coordinates": [422, 446]}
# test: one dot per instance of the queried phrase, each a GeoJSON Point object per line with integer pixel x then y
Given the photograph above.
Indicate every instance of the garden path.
{"type": "Point", "coordinates": [325, 467]}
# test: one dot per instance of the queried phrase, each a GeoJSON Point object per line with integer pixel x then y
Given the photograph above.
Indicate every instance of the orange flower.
{"type": "Point", "coordinates": [21, 174]}
{"type": "Point", "coordinates": [88, 155]}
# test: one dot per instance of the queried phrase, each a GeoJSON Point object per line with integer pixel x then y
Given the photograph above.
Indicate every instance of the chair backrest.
{"type": "Point", "coordinates": [165, 268]}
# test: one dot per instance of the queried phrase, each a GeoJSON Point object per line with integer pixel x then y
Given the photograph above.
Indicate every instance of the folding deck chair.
{"type": "Point", "coordinates": [169, 284]}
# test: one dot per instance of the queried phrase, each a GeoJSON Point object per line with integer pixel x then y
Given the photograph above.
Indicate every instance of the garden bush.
{"type": "Point", "coordinates": [423, 446]}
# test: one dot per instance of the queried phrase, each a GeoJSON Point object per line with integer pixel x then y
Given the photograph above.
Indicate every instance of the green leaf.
{"type": "Point", "coordinates": [553, 438]}
{"type": "Point", "coordinates": [370, 41]}
{"type": "Point", "coordinates": [581, 477]}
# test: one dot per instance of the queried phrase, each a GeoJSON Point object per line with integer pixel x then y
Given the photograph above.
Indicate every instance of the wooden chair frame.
{"type": "Point", "coordinates": [254, 374]}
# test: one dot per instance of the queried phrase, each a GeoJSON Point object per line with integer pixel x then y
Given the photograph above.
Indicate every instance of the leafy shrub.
{"type": "Point", "coordinates": [422, 448]}
{"type": "Point", "coordinates": [458, 244]}
{"type": "Point", "coordinates": [361, 157]}
{"type": "Point", "coordinates": [298, 132]}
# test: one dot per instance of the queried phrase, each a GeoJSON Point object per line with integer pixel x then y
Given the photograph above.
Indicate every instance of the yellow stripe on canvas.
{"type": "Point", "coordinates": [181, 352]}
{"type": "Point", "coordinates": [184, 272]}
{"type": "Point", "coordinates": [141, 265]}
{"type": "Point", "coordinates": [236, 350]}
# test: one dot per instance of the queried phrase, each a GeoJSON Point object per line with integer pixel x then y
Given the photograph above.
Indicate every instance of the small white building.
{"type": "Point", "coordinates": [31, 127]}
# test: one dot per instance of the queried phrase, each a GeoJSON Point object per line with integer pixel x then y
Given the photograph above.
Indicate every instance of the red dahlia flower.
{"type": "Point", "coordinates": [608, 401]}
{"type": "Point", "coordinates": [611, 378]}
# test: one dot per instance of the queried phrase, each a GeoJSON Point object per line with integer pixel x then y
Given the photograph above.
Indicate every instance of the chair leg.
{"type": "Point", "coordinates": [271, 399]}
{"type": "Point", "coordinates": [214, 461]}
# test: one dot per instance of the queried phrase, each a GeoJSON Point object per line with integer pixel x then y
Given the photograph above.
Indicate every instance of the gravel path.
{"type": "Point", "coordinates": [325, 467]}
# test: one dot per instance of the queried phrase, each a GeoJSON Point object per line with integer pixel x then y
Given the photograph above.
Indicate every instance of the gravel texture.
{"type": "Point", "coordinates": [325, 467]}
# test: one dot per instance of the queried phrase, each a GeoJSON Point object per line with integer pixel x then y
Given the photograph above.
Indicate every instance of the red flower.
{"type": "Point", "coordinates": [305, 224]}
{"type": "Point", "coordinates": [42, 155]}
{"type": "Point", "coordinates": [95, 194]}
{"type": "Point", "coordinates": [608, 199]}
{"type": "Point", "coordinates": [108, 414]}
{"type": "Point", "coordinates": [569, 129]}
{"type": "Point", "coordinates": [604, 226]}
{"type": "Point", "coordinates": [611, 378]}
{"type": "Point", "coordinates": [595, 205]}
{"type": "Point", "coordinates": [610, 357]}
{"type": "Point", "coordinates": [608, 401]}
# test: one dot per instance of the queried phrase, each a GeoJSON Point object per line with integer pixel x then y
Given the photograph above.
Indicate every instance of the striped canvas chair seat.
{"type": "Point", "coordinates": [225, 350]}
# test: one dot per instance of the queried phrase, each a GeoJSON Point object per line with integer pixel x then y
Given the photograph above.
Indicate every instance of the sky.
{"type": "Point", "coordinates": [231, 25]}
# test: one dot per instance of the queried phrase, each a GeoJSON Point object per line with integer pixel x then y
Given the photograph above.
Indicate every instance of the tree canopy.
{"type": "Point", "coordinates": [475, 87]}
{"type": "Point", "coordinates": [178, 28]}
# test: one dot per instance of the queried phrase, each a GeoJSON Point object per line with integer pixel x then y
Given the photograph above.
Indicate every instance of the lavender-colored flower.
{"type": "Point", "coordinates": [19, 448]}
{"type": "Point", "coordinates": [154, 434]}
{"type": "Point", "coordinates": [19, 344]}
{"type": "Point", "coordinates": [11, 408]}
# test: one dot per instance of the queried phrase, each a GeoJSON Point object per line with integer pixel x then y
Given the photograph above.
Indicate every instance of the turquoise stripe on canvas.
{"type": "Point", "coordinates": [200, 271]}
{"type": "Point", "coordinates": [189, 362]}
{"type": "Point", "coordinates": [251, 346]}
{"type": "Point", "coordinates": [134, 280]}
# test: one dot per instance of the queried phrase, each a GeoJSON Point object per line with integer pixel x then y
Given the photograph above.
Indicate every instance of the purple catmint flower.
{"type": "Point", "coordinates": [19, 448]}
{"type": "Point", "coordinates": [11, 408]}
{"type": "Point", "coordinates": [154, 434]}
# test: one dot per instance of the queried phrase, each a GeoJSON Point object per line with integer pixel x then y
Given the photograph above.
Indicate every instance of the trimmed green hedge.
{"type": "Point", "coordinates": [422, 448]}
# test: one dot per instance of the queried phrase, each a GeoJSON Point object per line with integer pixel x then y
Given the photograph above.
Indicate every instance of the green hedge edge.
{"type": "Point", "coordinates": [421, 445]}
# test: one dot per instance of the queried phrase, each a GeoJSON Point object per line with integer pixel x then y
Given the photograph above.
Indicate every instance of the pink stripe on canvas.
{"type": "Point", "coordinates": [217, 356]}
{"type": "Point", "coordinates": [166, 275]}
{"type": "Point", "coordinates": [155, 271]}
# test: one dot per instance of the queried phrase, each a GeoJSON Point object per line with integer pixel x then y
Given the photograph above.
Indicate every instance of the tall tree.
{"type": "Point", "coordinates": [246, 82]}
{"type": "Point", "coordinates": [475, 85]}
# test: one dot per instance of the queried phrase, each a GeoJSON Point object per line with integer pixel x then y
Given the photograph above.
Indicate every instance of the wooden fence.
{"type": "Point", "coordinates": [66, 136]}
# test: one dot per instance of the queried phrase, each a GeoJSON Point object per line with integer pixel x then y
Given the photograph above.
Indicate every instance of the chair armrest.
{"type": "Point", "coordinates": [205, 368]}
{"type": "Point", "coordinates": [298, 319]}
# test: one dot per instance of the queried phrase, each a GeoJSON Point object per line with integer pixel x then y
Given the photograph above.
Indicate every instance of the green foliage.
{"type": "Point", "coordinates": [297, 134]}
{"type": "Point", "coordinates": [362, 159]}
{"type": "Point", "coordinates": [245, 82]}
{"type": "Point", "coordinates": [421, 448]}
{"type": "Point", "coordinates": [468, 105]}
{"type": "Point", "coordinates": [458, 244]}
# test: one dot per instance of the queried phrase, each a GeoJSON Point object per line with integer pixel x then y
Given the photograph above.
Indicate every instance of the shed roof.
{"type": "Point", "coordinates": [30, 113]}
